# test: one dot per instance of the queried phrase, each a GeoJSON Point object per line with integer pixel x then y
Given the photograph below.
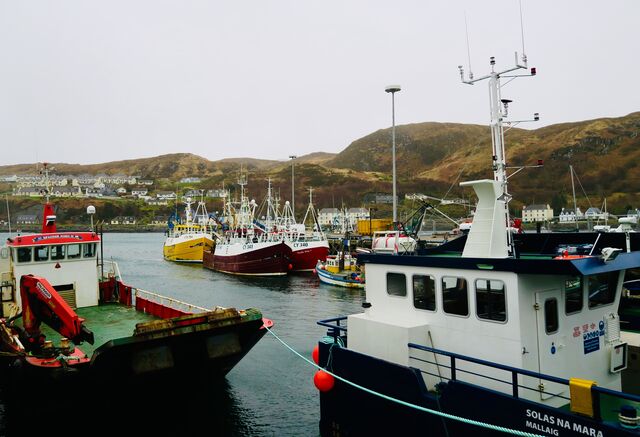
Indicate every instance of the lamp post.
{"type": "Point", "coordinates": [293, 202]}
{"type": "Point", "coordinates": [393, 89]}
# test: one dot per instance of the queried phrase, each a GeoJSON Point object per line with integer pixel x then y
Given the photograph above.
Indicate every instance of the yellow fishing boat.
{"type": "Point", "coordinates": [186, 242]}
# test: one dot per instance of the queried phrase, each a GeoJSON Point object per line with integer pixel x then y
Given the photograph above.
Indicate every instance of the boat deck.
{"type": "Point", "coordinates": [107, 322]}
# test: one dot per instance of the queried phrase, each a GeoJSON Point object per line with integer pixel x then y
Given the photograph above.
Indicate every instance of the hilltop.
{"type": "Point", "coordinates": [431, 158]}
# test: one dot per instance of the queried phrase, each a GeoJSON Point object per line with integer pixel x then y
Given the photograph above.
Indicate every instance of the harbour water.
{"type": "Point", "coordinates": [269, 393]}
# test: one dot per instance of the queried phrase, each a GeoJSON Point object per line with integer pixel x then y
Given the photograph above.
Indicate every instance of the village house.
{"type": "Point", "coordinates": [569, 215]}
{"type": "Point", "coordinates": [537, 213]}
{"type": "Point", "coordinates": [123, 220]}
{"type": "Point", "coordinates": [167, 195]}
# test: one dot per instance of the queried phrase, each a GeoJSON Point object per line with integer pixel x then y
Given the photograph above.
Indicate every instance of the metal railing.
{"type": "Point", "coordinates": [455, 369]}
{"type": "Point", "coordinates": [169, 302]}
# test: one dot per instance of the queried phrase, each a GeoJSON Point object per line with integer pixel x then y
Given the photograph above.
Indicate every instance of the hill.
{"type": "Point", "coordinates": [431, 158]}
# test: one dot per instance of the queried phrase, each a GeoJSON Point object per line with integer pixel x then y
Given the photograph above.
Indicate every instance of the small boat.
{"type": "Point", "coordinates": [67, 315]}
{"type": "Point", "coordinates": [186, 241]}
{"type": "Point", "coordinates": [480, 336]}
{"type": "Point", "coordinates": [341, 270]}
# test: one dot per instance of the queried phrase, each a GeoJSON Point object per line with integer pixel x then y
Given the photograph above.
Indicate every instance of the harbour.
{"type": "Point", "coordinates": [270, 391]}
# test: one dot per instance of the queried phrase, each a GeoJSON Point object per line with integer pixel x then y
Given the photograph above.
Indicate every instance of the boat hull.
{"type": "Point", "coordinates": [354, 412]}
{"type": "Point", "coordinates": [251, 259]}
{"type": "Point", "coordinates": [188, 249]}
{"type": "Point", "coordinates": [344, 278]}
{"type": "Point", "coordinates": [305, 254]}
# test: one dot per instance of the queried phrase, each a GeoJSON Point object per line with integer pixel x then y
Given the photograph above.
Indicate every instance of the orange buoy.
{"type": "Point", "coordinates": [323, 381]}
{"type": "Point", "coordinates": [316, 354]}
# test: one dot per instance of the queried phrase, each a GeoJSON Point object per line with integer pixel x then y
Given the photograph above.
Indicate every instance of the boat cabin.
{"type": "Point", "coordinates": [67, 259]}
{"type": "Point", "coordinates": [555, 315]}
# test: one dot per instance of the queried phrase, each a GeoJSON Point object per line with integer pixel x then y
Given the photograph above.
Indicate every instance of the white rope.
{"type": "Point", "coordinates": [407, 404]}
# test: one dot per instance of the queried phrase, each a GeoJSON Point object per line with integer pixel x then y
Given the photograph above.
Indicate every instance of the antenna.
{"type": "Point", "coordinates": [466, 28]}
{"type": "Point", "coordinates": [524, 56]}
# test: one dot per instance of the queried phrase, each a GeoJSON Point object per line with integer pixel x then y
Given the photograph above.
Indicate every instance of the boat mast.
{"type": "Point", "coordinates": [499, 112]}
{"type": "Point", "coordinates": [575, 207]}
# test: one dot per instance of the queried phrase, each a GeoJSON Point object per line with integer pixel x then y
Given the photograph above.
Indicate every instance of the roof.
{"type": "Point", "coordinates": [536, 206]}
{"type": "Point", "coordinates": [540, 265]}
{"type": "Point", "coordinates": [55, 238]}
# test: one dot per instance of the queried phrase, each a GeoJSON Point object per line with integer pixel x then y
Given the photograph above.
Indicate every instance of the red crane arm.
{"type": "Point", "coordinates": [42, 303]}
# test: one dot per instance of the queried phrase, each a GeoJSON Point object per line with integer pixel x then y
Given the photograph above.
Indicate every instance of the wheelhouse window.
{"type": "Point", "coordinates": [573, 295]}
{"type": "Point", "coordinates": [491, 300]}
{"type": "Point", "coordinates": [424, 292]}
{"type": "Point", "coordinates": [73, 251]}
{"type": "Point", "coordinates": [602, 289]}
{"type": "Point", "coordinates": [24, 254]}
{"type": "Point", "coordinates": [89, 250]}
{"type": "Point", "coordinates": [41, 253]}
{"type": "Point", "coordinates": [57, 252]}
{"type": "Point", "coordinates": [455, 298]}
{"type": "Point", "coordinates": [396, 284]}
{"type": "Point", "coordinates": [551, 315]}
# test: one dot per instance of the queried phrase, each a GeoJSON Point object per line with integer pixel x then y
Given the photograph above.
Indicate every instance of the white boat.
{"type": "Point", "coordinates": [486, 340]}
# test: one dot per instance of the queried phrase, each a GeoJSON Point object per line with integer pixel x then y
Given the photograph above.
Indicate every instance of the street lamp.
{"type": "Point", "coordinates": [393, 89]}
{"type": "Point", "coordinates": [293, 202]}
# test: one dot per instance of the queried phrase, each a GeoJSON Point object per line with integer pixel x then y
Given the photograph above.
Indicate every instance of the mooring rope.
{"type": "Point", "coordinates": [407, 404]}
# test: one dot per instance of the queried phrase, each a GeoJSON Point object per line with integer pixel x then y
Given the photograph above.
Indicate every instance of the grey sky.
{"type": "Point", "coordinates": [85, 81]}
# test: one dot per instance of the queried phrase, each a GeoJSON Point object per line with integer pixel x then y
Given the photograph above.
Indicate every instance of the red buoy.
{"type": "Point", "coordinates": [323, 381]}
{"type": "Point", "coordinates": [290, 266]}
{"type": "Point", "coordinates": [314, 272]}
{"type": "Point", "coordinates": [316, 354]}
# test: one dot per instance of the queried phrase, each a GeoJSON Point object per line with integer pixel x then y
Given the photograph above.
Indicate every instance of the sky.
{"type": "Point", "coordinates": [90, 82]}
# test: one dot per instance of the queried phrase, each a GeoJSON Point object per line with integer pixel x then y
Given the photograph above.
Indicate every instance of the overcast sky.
{"type": "Point", "coordinates": [88, 82]}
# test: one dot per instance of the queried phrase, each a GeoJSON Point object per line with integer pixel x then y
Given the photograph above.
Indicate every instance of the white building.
{"type": "Point", "coordinates": [595, 214]}
{"type": "Point", "coordinates": [537, 213]}
{"type": "Point", "coordinates": [326, 216]}
{"type": "Point", "coordinates": [569, 215]}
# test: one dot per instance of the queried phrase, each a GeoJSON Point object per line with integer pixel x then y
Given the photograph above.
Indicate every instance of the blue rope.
{"type": "Point", "coordinates": [407, 404]}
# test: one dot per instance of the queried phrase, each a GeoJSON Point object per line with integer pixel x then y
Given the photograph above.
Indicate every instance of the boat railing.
{"type": "Point", "coordinates": [455, 371]}
{"type": "Point", "coordinates": [336, 329]}
{"type": "Point", "coordinates": [109, 269]}
{"type": "Point", "coordinates": [163, 306]}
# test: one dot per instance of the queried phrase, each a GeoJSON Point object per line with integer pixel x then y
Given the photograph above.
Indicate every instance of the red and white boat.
{"type": "Point", "coordinates": [306, 246]}
{"type": "Point", "coordinates": [245, 248]}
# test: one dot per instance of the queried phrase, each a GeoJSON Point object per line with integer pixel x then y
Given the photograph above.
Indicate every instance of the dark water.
{"type": "Point", "coordinates": [269, 393]}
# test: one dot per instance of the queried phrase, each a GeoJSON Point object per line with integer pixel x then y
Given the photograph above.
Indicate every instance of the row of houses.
{"type": "Point", "coordinates": [34, 219]}
{"type": "Point", "coordinates": [33, 180]}
{"type": "Point", "coordinates": [543, 212]}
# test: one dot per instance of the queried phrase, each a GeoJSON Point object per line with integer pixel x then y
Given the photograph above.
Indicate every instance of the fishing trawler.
{"type": "Point", "coordinates": [246, 248]}
{"type": "Point", "coordinates": [66, 315]}
{"type": "Point", "coordinates": [306, 246]}
{"type": "Point", "coordinates": [479, 336]}
{"type": "Point", "coordinates": [187, 240]}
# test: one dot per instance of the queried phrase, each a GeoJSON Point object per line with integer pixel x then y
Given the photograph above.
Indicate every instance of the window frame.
{"type": "Point", "coordinates": [566, 293]}
{"type": "Point", "coordinates": [404, 275]}
{"type": "Point", "coordinates": [36, 249]}
{"type": "Point", "coordinates": [435, 292]}
{"type": "Point", "coordinates": [546, 324]}
{"type": "Point", "coordinates": [442, 292]}
{"type": "Point", "coordinates": [489, 290]}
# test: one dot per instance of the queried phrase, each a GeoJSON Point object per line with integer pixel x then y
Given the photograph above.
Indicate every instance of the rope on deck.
{"type": "Point", "coordinates": [407, 404]}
